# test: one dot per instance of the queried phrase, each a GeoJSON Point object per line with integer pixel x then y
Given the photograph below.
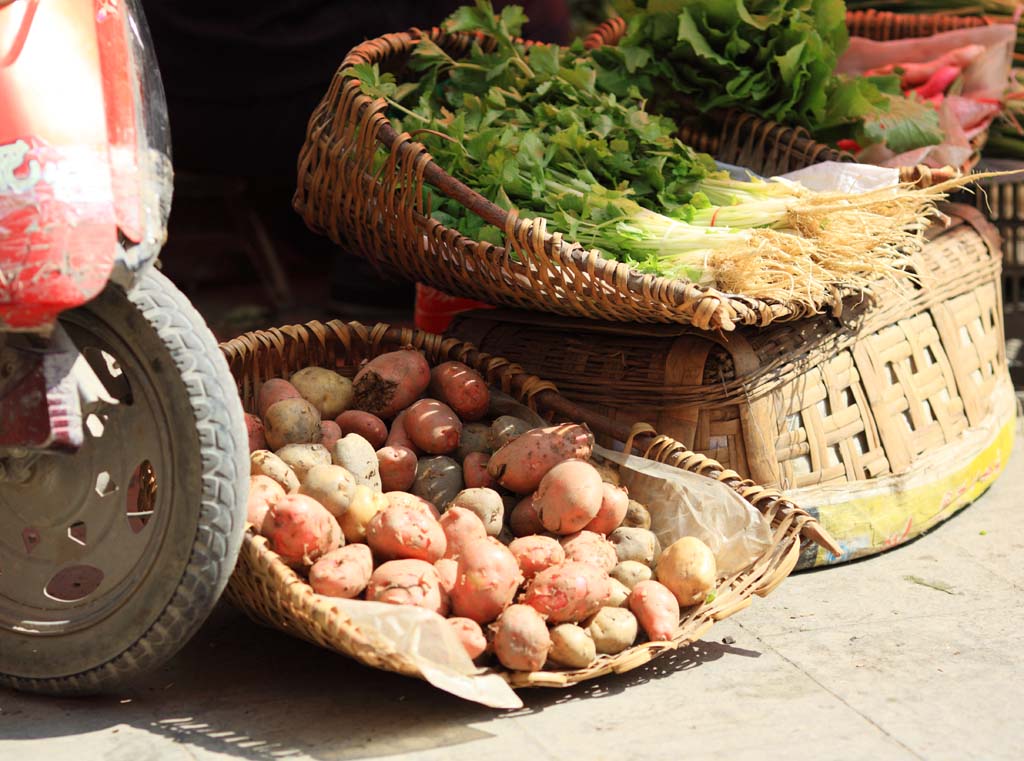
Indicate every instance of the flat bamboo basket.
{"type": "Point", "coordinates": [273, 594]}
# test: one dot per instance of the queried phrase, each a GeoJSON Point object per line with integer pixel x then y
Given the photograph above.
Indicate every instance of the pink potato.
{"type": "Point", "coordinates": [330, 434]}
{"type": "Point", "coordinates": [257, 436]}
{"type": "Point", "coordinates": [569, 496]}
{"type": "Point", "coordinates": [487, 580]}
{"type": "Point", "coordinates": [656, 608]}
{"type": "Point", "coordinates": [461, 527]}
{"type": "Point", "coordinates": [614, 504]}
{"type": "Point", "coordinates": [433, 426]}
{"type": "Point", "coordinates": [524, 520]}
{"type": "Point", "coordinates": [447, 570]}
{"type": "Point", "coordinates": [370, 427]}
{"type": "Point", "coordinates": [411, 500]}
{"type": "Point", "coordinates": [263, 492]}
{"type": "Point", "coordinates": [343, 572]}
{"type": "Point", "coordinates": [406, 532]}
{"type": "Point", "coordinates": [398, 436]}
{"type": "Point", "coordinates": [520, 465]}
{"type": "Point", "coordinates": [569, 592]}
{"type": "Point", "coordinates": [462, 388]}
{"type": "Point", "coordinates": [408, 582]}
{"type": "Point", "coordinates": [397, 467]}
{"type": "Point", "coordinates": [588, 547]}
{"type": "Point", "coordinates": [273, 391]}
{"type": "Point", "coordinates": [391, 382]}
{"type": "Point", "coordinates": [521, 639]}
{"type": "Point", "coordinates": [474, 471]}
{"type": "Point", "coordinates": [470, 635]}
{"type": "Point", "coordinates": [300, 530]}
{"type": "Point", "coordinates": [536, 553]}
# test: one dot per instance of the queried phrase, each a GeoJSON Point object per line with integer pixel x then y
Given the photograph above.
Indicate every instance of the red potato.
{"type": "Point", "coordinates": [273, 391]}
{"type": "Point", "coordinates": [487, 580]}
{"type": "Point", "coordinates": [291, 421]}
{"type": "Point", "coordinates": [474, 471]}
{"type": "Point", "coordinates": [588, 547]}
{"type": "Point", "coordinates": [614, 504]}
{"type": "Point", "coordinates": [406, 532]}
{"type": "Point", "coordinates": [343, 572]}
{"type": "Point", "coordinates": [656, 608]}
{"type": "Point", "coordinates": [536, 553]}
{"type": "Point", "coordinates": [263, 492]}
{"type": "Point", "coordinates": [257, 436]}
{"type": "Point", "coordinates": [524, 520]}
{"type": "Point", "coordinates": [462, 388]}
{"type": "Point", "coordinates": [569, 496]}
{"type": "Point", "coordinates": [521, 639]}
{"type": "Point", "coordinates": [397, 467]}
{"type": "Point", "coordinates": [411, 500]}
{"type": "Point", "coordinates": [569, 592]}
{"type": "Point", "coordinates": [398, 436]}
{"type": "Point", "coordinates": [447, 571]}
{"type": "Point", "coordinates": [300, 530]}
{"type": "Point", "coordinates": [461, 527]}
{"type": "Point", "coordinates": [408, 582]}
{"type": "Point", "coordinates": [520, 465]}
{"type": "Point", "coordinates": [391, 382]}
{"type": "Point", "coordinates": [370, 427]}
{"type": "Point", "coordinates": [330, 434]}
{"type": "Point", "coordinates": [433, 426]}
{"type": "Point", "coordinates": [470, 635]}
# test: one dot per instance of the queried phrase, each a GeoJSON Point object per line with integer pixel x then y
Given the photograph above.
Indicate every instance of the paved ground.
{"type": "Point", "coordinates": [916, 654]}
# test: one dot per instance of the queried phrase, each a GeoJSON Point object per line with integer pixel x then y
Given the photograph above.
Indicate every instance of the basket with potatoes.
{"type": "Point", "coordinates": [398, 515]}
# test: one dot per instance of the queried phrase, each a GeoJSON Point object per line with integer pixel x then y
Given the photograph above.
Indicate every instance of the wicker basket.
{"type": "Point", "coordinates": [833, 411]}
{"type": "Point", "coordinates": [270, 592]}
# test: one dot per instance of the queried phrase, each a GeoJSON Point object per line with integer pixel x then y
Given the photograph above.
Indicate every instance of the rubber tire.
{"type": "Point", "coordinates": [221, 464]}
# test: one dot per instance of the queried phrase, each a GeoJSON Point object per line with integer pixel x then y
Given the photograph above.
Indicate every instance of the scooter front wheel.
{"type": "Point", "coordinates": [112, 557]}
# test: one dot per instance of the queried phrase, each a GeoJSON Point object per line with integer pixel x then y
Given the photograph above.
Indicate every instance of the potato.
{"type": "Point", "coordinates": [438, 479]}
{"type": "Point", "coordinates": [620, 594]}
{"type": "Point", "coordinates": [524, 520]}
{"type": "Point", "coordinates": [264, 463]}
{"type": "Point", "coordinates": [612, 629]}
{"type": "Point", "coordinates": [572, 647]}
{"type": "Point", "coordinates": [329, 392]}
{"type": "Point", "coordinates": [273, 391]}
{"type": "Point", "coordinates": [263, 492]}
{"type": "Point", "coordinates": [397, 467]}
{"type": "Point", "coordinates": [391, 382]}
{"type": "Point", "coordinates": [505, 429]}
{"type": "Point", "coordinates": [535, 553]}
{"type": "Point", "coordinates": [568, 592]}
{"type": "Point", "coordinates": [447, 570]}
{"type": "Point", "coordinates": [568, 497]}
{"type": "Point", "coordinates": [408, 582]}
{"type": "Point", "coordinates": [365, 504]}
{"type": "Point", "coordinates": [461, 527]}
{"type": "Point", "coordinates": [588, 547]}
{"type": "Point", "coordinates": [657, 610]}
{"type": "Point", "coordinates": [487, 580]}
{"type": "Point", "coordinates": [470, 635]}
{"type": "Point", "coordinates": [330, 485]}
{"type": "Point", "coordinates": [474, 471]}
{"type": "Point", "coordinates": [433, 426]}
{"type": "Point", "coordinates": [300, 530]}
{"type": "Point", "coordinates": [637, 544]}
{"type": "Point", "coordinates": [343, 572]}
{"type": "Point", "coordinates": [398, 436]}
{"type": "Point", "coordinates": [487, 505]}
{"type": "Point", "coordinates": [521, 639]}
{"type": "Point", "coordinates": [614, 503]}
{"type": "Point", "coordinates": [632, 572]}
{"type": "Point", "coordinates": [292, 421]}
{"type": "Point", "coordinates": [301, 457]}
{"type": "Point", "coordinates": [406, 532]}
{"type": "Point", "coordinates": [520, 465]}
{"type": "Point", "coordinates": [475, 438]}
{"type": "Point", "coordinates": [411, 500]}
{"type": "Point", "coordinates": [637, 516]}
{"type": "Point", "coordinates": [257, 435]}
{"type": "Point", "coordinates": [609, 474]}
{"type": "Point", "coordinates": [370, 427]}
{"type": "Point", "coordinates": [330, 433]}
{"type": "Point", "coordinates": [355, 455]}
{"type": "Point", "coordinates": [687, 567]}
{"type": "Point", "coordinates": [462, 388]}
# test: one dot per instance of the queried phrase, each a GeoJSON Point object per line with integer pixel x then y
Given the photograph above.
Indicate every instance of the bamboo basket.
{"type": "Point", "coordinates": [881, 423]}
{"type": "Point", "coordinates": [272, 593]}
